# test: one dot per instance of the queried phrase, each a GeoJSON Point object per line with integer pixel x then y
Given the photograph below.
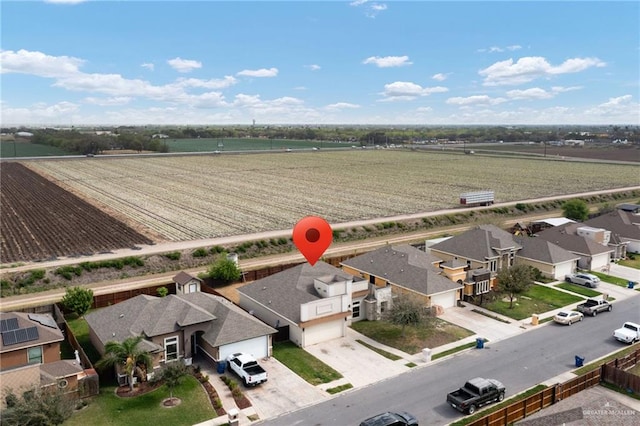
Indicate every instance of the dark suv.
{"type": "Point", "coordinates": [391, 419]}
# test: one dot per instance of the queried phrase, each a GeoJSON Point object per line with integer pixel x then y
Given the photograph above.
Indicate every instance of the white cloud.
{"type": "Point", "coordinates": [405, 90]}
{"type": "Point", "coordinates": [262, 72]}
{"type": "Point", "coordinates": [39, 113]}
{"type": "Point", "coordinates": [514, 47]}
{"type": "Point", "coordinates": [313, 67]}
{"type": "Point", "coordinates": [227, 81]}
{"type": "Point", "coordinates": [371, 10]}
{"type": "Point", "coordinates": [148, 66]}
{"type": "Point", "coordinates": [38, 63]}
{"type": "Point", "coordinates": [439, 77]}
{"type": "Point", "coordinates": [424, 109]}
{"type": "Point", "coordinates": [527, 69]}
{"type": "Point", "coordinates": [341, 105]}
{"type": "Point", "coordinates": [497, 49]}
{"type": "Point", "coordinates": [533, 93]}
{"type": "Point", "coordinates": [619, 107]}
{"type": "Point", "coordinates": [388, 61]}
{"type": "Point", "coordinates": [475, 100]}
{"type": "Point", "coordinates": [184, 65]}
{"type": "Point", "coordinates": [119, 100]}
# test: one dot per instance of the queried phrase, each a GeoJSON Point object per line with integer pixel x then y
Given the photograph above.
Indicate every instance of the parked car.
{"type": "Point", "coordinates": [567, 317]}
{"type": "Point", "coordinates": [628, 333]}
{"type": "Point", "coordinates": [476, 393]}
{"type": "Point", "coordinates": [247, 368]}
{"type": "Point", "coordinates": [389, 418]}
{"type": "Point", "coordinates": [593, 306]}
{"type": "Point", "coordinates": [587, 280]}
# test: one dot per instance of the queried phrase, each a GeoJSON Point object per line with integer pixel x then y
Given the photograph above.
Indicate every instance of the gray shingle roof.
{"type": "Point", "coordinates": [543, 251]}
{"type": "Point", "coordinates": [405, 266]}
{"type": "Point", "coordinates": [621, 223]}
{"type": "Point", "coordinates": [155, 316]}
{"type": "Point", "coordinates": [183, 278]}
{"type": "Point", "coordinates": [52, 371]}
{"type": "Point", "coordinates": [285, 291]}
{"type": "Point", "coordinates": [478, 244]}
{"type": "Point", "coordinates": [565, 237]}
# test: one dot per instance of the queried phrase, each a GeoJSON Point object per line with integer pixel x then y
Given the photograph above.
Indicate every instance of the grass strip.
{"type": "Point", "coordinates": [389, 355]}
{"type": "Point", "coordinates": [304, 364]}
{"type": "Point", "coordinates": [340, 388]}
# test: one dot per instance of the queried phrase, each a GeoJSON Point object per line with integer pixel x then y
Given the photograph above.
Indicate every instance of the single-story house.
{"type": "Point", "coordinates": [187, 283]}
{"type": "Point", "coordinates": [550, 259]}
{"type": "Point", "coordinates": [310, 304]}
{"type": "Point", "coordinates": [177, 327]}
{"type": "Point", "coordinates": [406, 269]}
{"type": "Point", "coordinates": [589, 243]}
{"type": "Point", "coordinates": [30, 355]}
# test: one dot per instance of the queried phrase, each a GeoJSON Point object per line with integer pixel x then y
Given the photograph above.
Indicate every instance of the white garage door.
{"type": "Point", "coordinates": [256, 347]}
{"type": "Point", "coordinates": [446, 300]}
{"type": "Point", "coordinates": [323, 332]}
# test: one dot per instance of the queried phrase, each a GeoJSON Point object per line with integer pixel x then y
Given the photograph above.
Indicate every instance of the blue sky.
{"type": "Point", "coordinates": [68, 62]}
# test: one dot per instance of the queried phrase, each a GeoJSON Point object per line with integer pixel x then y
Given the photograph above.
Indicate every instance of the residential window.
{"type": "Point", "coordinates": [170, 349]}
{"type": "Point", "coordinates": [493, 265]}
{"type": "Point", "coordinates": [356, 309]}
{"type": "Point", "coordinates": [34, 355]}
{"type": "Point", "coordinates": [482, 287]}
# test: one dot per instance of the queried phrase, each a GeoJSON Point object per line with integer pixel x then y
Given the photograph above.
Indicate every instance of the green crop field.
{"type": "Point", "coordinates": [229, 144]}
{"type": "Point", "coordinates": [10, 149]}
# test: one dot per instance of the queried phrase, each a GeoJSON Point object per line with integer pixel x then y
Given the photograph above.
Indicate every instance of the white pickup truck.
{"type": "Point", "coordinates": [628, 333]}
{"type": "Point", "coordinates": [247, 368]}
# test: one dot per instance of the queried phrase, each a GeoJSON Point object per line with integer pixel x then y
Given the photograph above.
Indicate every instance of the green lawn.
{"type": "Point", "coordinates": [304, 364]}
{"type": "Point", "coordinates": [244, 144]}
{"type": "Point", "coordinates": [537, 300]}
{"type": "Point", "coordinates": [432, 333]}
{"type": "Point", "coordinates": [80, 329]}
{"type": "Point", "coordinates": [610, 279]}
{"type": "Point", "coordinates": [110, 410]}
{"type": "Point", "coordinates": [574, 288]}
{"type": "Point", "coordinates": [631, 263]}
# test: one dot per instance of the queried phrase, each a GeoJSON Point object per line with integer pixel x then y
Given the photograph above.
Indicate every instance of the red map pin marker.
{"type": "Point", "coordinates": [312, 235]}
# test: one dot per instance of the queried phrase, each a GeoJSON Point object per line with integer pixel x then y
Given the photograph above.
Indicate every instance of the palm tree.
{"type": "Point", "coordinates": [127, 354]}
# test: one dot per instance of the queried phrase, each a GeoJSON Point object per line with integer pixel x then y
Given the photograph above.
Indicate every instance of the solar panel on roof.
{"type": "Point", "coordinates": [9, 338]}
{"type": "Point", "coordinates": [21, 335]}
{"type": "Point", "coordinates": [8, 324]}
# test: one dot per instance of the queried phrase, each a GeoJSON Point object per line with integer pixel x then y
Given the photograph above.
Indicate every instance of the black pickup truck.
{"type": "Point", "coordinates": [476, 393]}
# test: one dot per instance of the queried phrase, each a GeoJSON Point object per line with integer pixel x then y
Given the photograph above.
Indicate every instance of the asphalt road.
{"type": "Point", "coordinates": [520, 363]}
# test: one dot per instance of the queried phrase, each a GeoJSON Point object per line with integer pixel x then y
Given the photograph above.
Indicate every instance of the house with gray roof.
{"type": "Point", "coordinates": [624, 226]}
{"type": "Point", "coordinates": [177, 327]}
{"type": "Point", "coordinates": [474, 257]}
{"type": "Point", "coordinates": [588, 243]}
{"type": "Point", "coordinates": [404, 269]}
{"type": "Point", "coordinates": [309, 304]}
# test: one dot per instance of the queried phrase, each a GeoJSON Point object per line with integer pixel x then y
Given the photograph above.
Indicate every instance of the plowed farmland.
{"type": "Point", "coordinates": [39, 220]}
{"type": "Point", "coordinates": [184, 198]}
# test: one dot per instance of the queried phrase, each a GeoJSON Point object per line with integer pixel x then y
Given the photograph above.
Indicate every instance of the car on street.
{"type": "Point", "coordinates": [568, 317]}
{"type": "Point", "coordinates": [475, 393]}
{"type": "Point", "coordinates": [587, 280]}
{"type": "Point", "coordinates": [628, 333]}
{"type": "Point", "coordinates": [390, 418]}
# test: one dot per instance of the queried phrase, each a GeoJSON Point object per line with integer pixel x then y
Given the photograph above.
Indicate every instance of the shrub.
{"type": "Point", "coordinates": [236, 392]}
{"type": "Point", "coordinates": [175, 255]}
{"type": "Point", "coordinates": [217, 404]}
{"type": "Point", "coordinates": [216, 249]}
{"type": "Point", "coordinates": [200, 253]}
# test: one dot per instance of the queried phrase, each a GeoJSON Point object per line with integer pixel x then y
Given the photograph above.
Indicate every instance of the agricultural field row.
{"type": "Point", "coordinates": [196, 197]}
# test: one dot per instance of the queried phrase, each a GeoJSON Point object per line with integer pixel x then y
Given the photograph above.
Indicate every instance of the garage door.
{"type": "Point", "coordinates": [323, 332]}
{"type": "Point", "coordinates": [446, 300]}
{"type": "Point", "coordinates": [256, 347]}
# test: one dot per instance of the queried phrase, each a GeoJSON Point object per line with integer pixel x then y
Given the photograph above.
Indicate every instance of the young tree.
{"type": "Point", "coordinates": [162, 291]}
{"type": "Point", "coordinates": [127, 354]}
{"type": "Point", "coordinates": [78, 300]}
{"type": "Point", "coordinates": [37, 408]}
{"type": "Point", "coordinates": [172, 374]}
{"type": "Point", "coordinates": [575, 209]}
{"type": "Point", "coordinates": [514, 281]}
{"type": "Point", "coordinates": [406, 310]}
{"type": "Point", "coordinates": [225, 270]}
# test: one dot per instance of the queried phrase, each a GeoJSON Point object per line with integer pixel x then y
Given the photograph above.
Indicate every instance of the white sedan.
{"type": "Point", "coordinates": [568, 317]}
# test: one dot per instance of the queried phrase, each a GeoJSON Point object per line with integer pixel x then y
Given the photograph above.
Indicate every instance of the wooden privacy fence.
{"type": "Point", "coordinates": [614, 372]}
{"type": "Point", "coordinates": [546, 397]}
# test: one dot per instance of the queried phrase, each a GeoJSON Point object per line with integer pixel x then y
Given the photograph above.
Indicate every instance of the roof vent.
{"type": "Point", "coordinates": [121, 315]}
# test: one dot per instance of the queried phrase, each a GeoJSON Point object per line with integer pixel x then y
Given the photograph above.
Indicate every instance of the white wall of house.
{"type": "Point", "coordinates": [600, 261]}
{"type": "Point", "coordinates": [446, 299]}
{"type": "Point", "coordinates": [258, 347]}
{"type": "Point", "coordinates": [323, 307]}
{"type": "Point", "coordinates": [634, 245]}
